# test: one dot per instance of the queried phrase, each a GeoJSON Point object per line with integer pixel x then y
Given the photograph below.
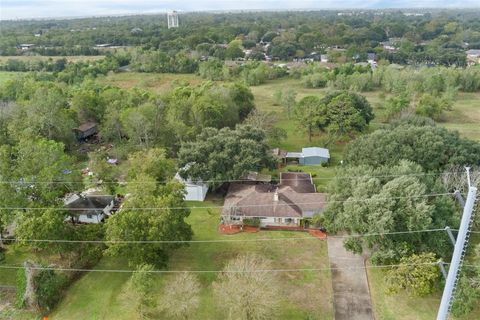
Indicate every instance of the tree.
{"type": "Point", "coordinates": [151, 212]}
{"type": "Point", "coordinates": [347, 112]}
{"type": "Point", "coordinates": [408, 139]}
{"type": "Point", "coordinates": [225, 154]}
{"type": "Point", "coordinates": [267, 122]}
{"type": "Point", "coordinates": [152, 162]}
{"type": "Point", "coordinates": [234, 50]}
{"type": "Point", "coordinates": [45, 115]}
{"type": "Point", "coordinates": [244, 291]}
{"type": "Point", "coordinates": [311, 114]}
{"type": "Point", "coordinates": [431, 106]}
{"type": "Point", "coordinates": [288, 100]}
{"type": "Point", "coordinates": [418, 275]}
{"type": "Point", "coordinates": [141, 290]}
{"type": "Point", "coordinates": [45, 224]}
{"type": "Point", "coordinates": [386, 199]}
{"type": "Point", "coordinates": [181, 296]}
{"type": "Point", "coordinates": [43, 171]}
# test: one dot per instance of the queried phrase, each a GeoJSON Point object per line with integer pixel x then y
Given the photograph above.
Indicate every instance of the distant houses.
{"type": "Point", "coordinates": [284, 206]}
{"type": "Point", "coordinates": [473, 56]}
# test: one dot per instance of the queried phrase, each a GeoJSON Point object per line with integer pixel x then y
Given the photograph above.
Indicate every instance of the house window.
{"type": "Point", "coordinates": [288, 220]}
{"type": "Point", "coordinates": [278, 220]}
{"type": "Point", "coordinates": [262, 218]}
{"type": "Point", "coordinates": [89, 216]}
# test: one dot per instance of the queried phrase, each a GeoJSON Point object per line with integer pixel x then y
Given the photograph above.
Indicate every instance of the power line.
{"type": "Point", "coordinates": [217, 271]}
{"type": "Point", "coordinates": [240, 206]}
{"type": "Point", "coordinates": [232, 180]}
{"type": "Point", "coordinates": [222, 240]}
{"type": "Point", "coordinates": [13, 267]}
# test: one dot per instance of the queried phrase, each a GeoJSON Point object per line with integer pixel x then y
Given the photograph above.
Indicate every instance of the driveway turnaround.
{"type": "Point", "coordinates": [351, 295]}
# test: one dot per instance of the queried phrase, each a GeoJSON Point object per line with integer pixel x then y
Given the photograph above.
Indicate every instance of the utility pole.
{"type": "Point", "coordinates": [459, 252]}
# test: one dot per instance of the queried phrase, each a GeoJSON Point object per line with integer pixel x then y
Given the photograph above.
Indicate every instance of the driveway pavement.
{"type": "Point", "coordinates": [351, 295]}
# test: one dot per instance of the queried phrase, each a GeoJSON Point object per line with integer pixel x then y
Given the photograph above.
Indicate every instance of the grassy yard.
{"type": "Point", "coordinates": [305, 295]}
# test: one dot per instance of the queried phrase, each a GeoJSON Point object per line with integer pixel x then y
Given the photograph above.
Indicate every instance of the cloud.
{"type": "Point", "coordinates": [12, 9]}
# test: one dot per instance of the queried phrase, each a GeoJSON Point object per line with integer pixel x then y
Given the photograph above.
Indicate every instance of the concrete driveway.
{"type": "Point", "coordinates": [351, 295]}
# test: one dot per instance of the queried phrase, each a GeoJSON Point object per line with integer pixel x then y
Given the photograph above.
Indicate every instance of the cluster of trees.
{"type": "Point", "coordinates": [386, 185]}
{"type": "Point", "coordinates": [225, 154]}
{"type": "Point", "coordinates": [134, 117]}
{"type": "Point", "coordinates": [339, 113]}
{"type": "Point", "coordinates": [249, 294]}
{"type": "Point", "coordinates": [426, 91]}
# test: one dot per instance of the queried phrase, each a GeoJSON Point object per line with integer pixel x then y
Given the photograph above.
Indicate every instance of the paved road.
{"type": "Point", "coordinates": [351, 295]}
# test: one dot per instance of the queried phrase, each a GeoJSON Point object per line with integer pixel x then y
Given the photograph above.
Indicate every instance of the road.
{"type": "Point", "coordinates": [351, 294]}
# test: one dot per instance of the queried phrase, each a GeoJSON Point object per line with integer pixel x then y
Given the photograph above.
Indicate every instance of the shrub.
{"type": "Point", "coordinates": [48, 286]}
{"type": "Point", "coordinates": [251, 222]}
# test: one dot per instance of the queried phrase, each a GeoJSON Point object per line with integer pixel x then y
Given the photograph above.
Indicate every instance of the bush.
{"type": "Point", "coordinates": [48, 286]}
{"type": "Point", "coordinates": [251, 222]}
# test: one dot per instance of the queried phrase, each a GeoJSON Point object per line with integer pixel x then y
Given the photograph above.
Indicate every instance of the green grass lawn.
{"type": "Point", "coordinates": [305, 295]}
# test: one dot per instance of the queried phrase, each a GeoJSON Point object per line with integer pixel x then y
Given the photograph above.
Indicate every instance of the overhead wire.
{"type": "Point", "coordinates": [222, 240]}
{"type": "Point", "coordinates": [227, 271]}
{"type": "Point", "coordinates": [234, 180]}
{"type": "Point", "coordinates": [237, 206]}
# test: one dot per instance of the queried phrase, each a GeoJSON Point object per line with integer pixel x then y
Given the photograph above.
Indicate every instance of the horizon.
{"type": "Point", "coordinates": [14, 10]}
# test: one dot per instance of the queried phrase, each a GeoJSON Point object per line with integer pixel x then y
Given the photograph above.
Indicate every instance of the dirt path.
{"type": "Point", "coordinates": [351, 295]}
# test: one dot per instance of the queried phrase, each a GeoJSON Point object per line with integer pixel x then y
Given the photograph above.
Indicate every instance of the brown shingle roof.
{"type": "Point", "coordinates": [298, 181]}
{"type": "Point", "coordinates": [258, 201]}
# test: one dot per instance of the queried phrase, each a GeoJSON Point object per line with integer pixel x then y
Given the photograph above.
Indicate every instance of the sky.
{"type": "Point", "coordinates": [24, 9]}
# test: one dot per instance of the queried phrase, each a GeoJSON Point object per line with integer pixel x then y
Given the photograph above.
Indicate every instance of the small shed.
{"type": "Point", "coordinates": [314, 156]}
{"type": "Point", "coordinates": [86, 130]}
{"type": "Point", "coordinates": [195, 191]}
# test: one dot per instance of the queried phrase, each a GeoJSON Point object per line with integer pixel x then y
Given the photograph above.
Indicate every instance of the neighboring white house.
{"type": "Point", "coordinates": [89, 208]}
{"type": "Point", "coordinates": [196, 191]}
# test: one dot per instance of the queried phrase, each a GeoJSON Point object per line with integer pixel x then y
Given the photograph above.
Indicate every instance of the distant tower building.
{"type": "Point", "coordinates": [172, 19]}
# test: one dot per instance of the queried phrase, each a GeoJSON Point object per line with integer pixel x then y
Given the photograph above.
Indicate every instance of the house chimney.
{"type": "Point", "coordinates": [275, 195]}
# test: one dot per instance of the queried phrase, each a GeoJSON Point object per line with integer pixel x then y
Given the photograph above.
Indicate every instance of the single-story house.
{"type": "Point", "coordinates": [89, 208]}
{"type": "Point", "coordinates": [310, 156]}
{"type": "Point", "coordinates": [86, 130]}
{"type": "Point", "coordinates": [274, 206]}
{"type": "Point", "coordinates": [473, 56]}
{"type": "Point", "coordinates": [195, 191]}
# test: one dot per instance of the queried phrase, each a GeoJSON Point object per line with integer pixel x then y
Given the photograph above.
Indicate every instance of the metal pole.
{"type": "Point", "coordinates": [458, 254]}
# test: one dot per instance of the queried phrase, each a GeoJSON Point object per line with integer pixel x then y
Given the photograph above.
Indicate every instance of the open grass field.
{"type": "Point", "coordinates": [5, 76]}
{"type": "Point", "coordinates": [4, 59]}
{"type": "Point", "coordinates": [305, 295]}
{"type": "Point", "coordinates": [156, 82]}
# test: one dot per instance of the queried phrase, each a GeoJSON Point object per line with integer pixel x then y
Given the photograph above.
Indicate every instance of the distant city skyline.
{"type": "Point", "coordinates": [31, 9]}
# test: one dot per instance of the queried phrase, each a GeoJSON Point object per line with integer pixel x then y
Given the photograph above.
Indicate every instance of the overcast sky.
{"type": "Point", "coordinates": [15, 9]}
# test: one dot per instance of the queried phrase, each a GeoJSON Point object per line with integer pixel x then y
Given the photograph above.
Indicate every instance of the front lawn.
{"type": "Point", "coordinates": [305, 295]}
